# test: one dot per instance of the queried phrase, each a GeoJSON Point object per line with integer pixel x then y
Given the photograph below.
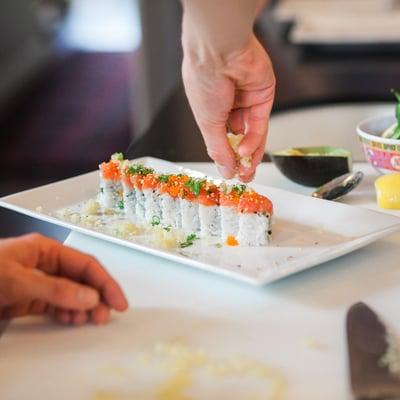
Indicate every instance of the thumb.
{"type": "Point", "coordinates": [31, 284]}
{"type": "Point", "coordinates": [219, 149]}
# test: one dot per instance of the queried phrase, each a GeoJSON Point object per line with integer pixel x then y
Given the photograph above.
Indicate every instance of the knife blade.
{"type": "Point", "coordinates": [367, 344]}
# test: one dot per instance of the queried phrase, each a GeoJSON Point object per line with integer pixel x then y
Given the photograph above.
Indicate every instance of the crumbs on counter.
{"type": "Point", "coordinates": [107, 395]}
{"type": "Point", "coordinates": [391, 358]}
{"type": "Point", "coordinates": [312, 342]}
{"type": "Point", "coordinates": [185, 361]}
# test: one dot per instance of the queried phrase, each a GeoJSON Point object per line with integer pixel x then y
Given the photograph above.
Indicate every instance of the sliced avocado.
{"type": "Point", "coordinates": [327, 151]}
{"type": "Point", "coordinates": [313, 166]}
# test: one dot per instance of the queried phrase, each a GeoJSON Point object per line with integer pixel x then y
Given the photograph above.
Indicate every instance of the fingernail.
{"type": "Point", "coordinates": [226, 172]}
{"type": "Point", "coordinates": [88, 296]}
{"type": "Point", "coordinates": [120, 304]}
{"type": "Point", "coordinates": [247, 178]}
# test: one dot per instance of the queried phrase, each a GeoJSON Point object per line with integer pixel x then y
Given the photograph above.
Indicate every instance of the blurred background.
{"type": "Point", "coordinates": [81, 79]}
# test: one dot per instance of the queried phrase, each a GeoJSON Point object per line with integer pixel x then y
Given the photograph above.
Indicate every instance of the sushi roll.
{"type": "Point", "coordinates": [209, 210]}
{"type": "Point", "coordinates": [188, 204]}
{"type": "Point", "coordinates": [152, 207]}
{"type": "Point", "coordinates": [110, 194]}
{"type": "Point", "coordinates": [169, 188]}
{"type": "Point", "coordinates": [140, 200]}
{"type": "Point", "coordinates": [138, 172]}
{"type": "Point", "coordinates": [234, 213]}
{"type": "Point", "coordinates": [255, 213]}
{"type": "Point", "coordinates": [129, 195]}
{"type": "Point", "coordinates": [229, 203]}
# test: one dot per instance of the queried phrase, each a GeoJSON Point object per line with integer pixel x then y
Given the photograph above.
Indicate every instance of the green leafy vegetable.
{"type": "Point", "coordinates": [396, 133]}
{"type": "Point", "coordinates": [164, 178]}
{"type": "Point", "coordinates": [155, 220]}
{"type": "Point", "coordinates": [189, 241]}
{"type": "Point", "coordinates": [139, 169]}
{"type": "Point", "coordinates": [167, 228]}
{"type": "Point", "coordinates": [117, 157]}
{"type": "Point", "coordinates": [239, 189]}
{"type": "Point", "coordinates": [195, 185]}
{"type": "Point", "coordinates": [120, 205]}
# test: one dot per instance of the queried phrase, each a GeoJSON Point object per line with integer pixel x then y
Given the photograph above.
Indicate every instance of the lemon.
{"type": "Point", "coordinates": [387, 189]}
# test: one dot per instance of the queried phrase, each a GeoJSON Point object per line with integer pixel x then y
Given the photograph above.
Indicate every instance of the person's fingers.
{"type": "Point", "coordinates": [5, 313]}
{"type": "Point", "coordinates": [235, 121]}
{"type": "Point", "coordinates": [38, 307]}
{"type": "Point", "coordinates": [21, 249]}
{"type": "Point", "coordinates": [256, 122]}
{"type": "Point", "coordinates": [100, 315]}
{"type": "Point", "coordinates": [249, 98]}
{"type": "Point", "coordinates": [219, 149]}
{"type": "Point", "coordinates": [87, 269]}
{"type": "Point", "coordinates": [24, 308]}
{"type": "Point", "coordinates": [25, 285]}
{"type": "Point", "coordinates": [16, 310]}
{"type": "Point", "coordinates": [247, 178]}
{"type": "Point", "coordinates": [63, 317]}
{"type": "Point", "coordinates": [65, 261]}
{"type": "Point", "coordinates": [247, 174]}
{"type": "Point", "coordinates": [79, 317]}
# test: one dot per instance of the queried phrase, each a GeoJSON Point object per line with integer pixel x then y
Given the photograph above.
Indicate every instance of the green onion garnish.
{"type": "Point", "coordinates": [117, 157]}
{"type": "Point", "coordinates": [239, 189]}
{"type": "Point", "coordinates": [164, 178]}
{"type": "Point", "coordinates": [120, 205]}
{"type": "Point", "coordinates": [138, 169]}
{"type": "Point", "coordinates": [155, 220]}
{"type": "Point", "coordinates": [195, 185]}
{"type": "Point", "coordinates": [189, 241]}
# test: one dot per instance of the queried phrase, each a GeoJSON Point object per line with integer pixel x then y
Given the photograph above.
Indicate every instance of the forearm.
{"type": "Point", "coordinates": [217, 28]}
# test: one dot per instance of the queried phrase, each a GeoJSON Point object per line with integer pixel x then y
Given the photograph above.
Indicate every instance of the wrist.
{"type": "Point", "coordinates": [211, 48]}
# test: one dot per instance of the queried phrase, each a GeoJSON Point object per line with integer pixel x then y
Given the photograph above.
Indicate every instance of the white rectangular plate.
{"type": "Point", "coordinates": [306, 231]}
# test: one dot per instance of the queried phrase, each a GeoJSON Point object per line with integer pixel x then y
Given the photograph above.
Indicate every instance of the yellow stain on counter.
{"type": "Point", "coordinates": [184, 362]}
{"type": "Point", "coordinates": [387, 189]}
{"type": "Point", "coordinates": [114, 370]}
{"type": "Point", "coordinates": [183, 365]}
{"type": "Point", "coordinates": [106, 396]}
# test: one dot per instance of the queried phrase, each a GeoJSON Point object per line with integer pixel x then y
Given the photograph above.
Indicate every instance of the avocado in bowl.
{"type": "Point", "coordinates": [313, 166]}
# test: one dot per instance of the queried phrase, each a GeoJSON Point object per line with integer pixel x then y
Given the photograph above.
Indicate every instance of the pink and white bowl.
{"type": "Point", "coordinates": [382, 153]}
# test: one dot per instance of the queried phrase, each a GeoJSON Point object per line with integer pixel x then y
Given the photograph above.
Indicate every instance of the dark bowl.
{"type": "Point", "coordinates": [313, 166]}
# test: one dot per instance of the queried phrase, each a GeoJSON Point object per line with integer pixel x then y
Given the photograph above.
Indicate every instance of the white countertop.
{"type": "Point", "coordinates": [295, 326]}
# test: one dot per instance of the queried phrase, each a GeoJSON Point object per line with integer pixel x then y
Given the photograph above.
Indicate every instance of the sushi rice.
{"type": "Point", "coordinates": [190, 216]}
{"type": "Point", "coordinates": [170, 211]}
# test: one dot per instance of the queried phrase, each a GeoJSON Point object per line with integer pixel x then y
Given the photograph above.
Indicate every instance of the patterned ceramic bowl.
{"type": "Point", "coordinates": [381, 153]}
